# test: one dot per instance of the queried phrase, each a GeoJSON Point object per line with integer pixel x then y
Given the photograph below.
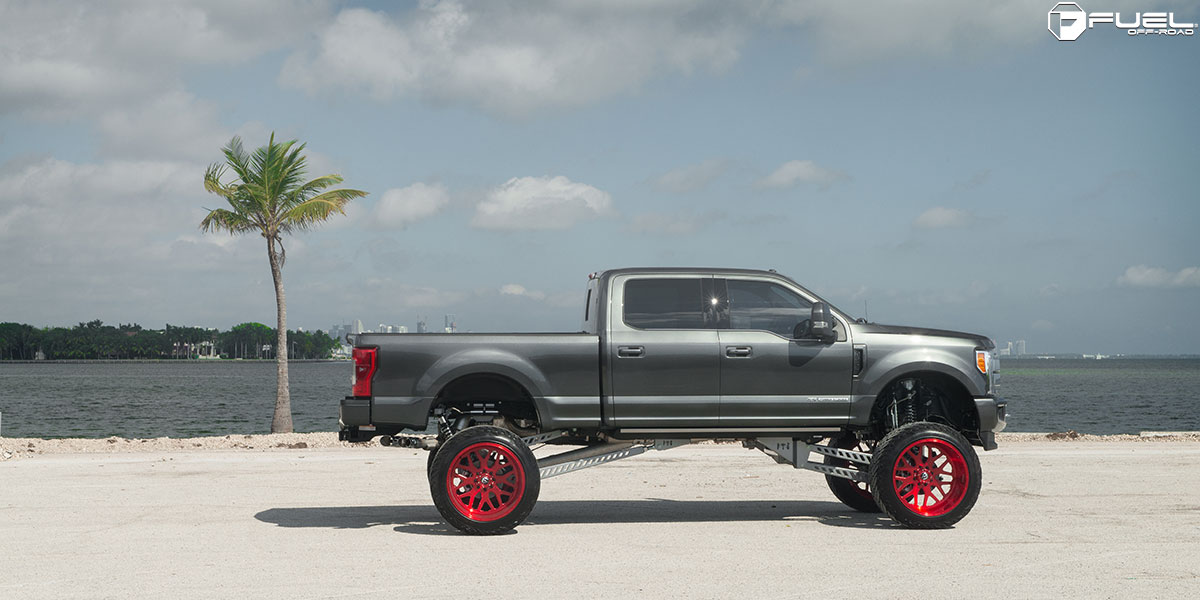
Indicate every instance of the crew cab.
{"type": "Point", "coordinates": [667, 356]}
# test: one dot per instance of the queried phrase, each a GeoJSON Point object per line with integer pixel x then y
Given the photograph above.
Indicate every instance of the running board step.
{"type": "Point", "coordinates": [574, 460]}
{"type": "Point", "coordinates": [794, 452]}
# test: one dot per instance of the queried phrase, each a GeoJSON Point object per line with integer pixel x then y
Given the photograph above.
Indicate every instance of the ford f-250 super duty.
{"type": "Point", "coordinates": [670, 356]}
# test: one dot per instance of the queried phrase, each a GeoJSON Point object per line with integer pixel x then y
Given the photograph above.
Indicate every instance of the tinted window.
{"type": "Point", "coordinates": [766, 306]}
{"type": "Point", "coordinates": [664, 304]}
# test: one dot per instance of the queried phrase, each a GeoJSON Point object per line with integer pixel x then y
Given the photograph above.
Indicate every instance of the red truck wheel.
{"type": "Point", "coordinates": [925, 475]}
{"type": "Point", "coordinates": [855, 494]}
{"type": "Point", "coordinates": [484, 480]}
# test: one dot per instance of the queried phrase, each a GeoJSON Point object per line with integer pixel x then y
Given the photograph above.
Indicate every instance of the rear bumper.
{"type": "Point", "coordinates": [993, 413]}
{"type": "Point", "coordinates": [354, 415]}
{"type": "Point", "coordinates": [354, 412]}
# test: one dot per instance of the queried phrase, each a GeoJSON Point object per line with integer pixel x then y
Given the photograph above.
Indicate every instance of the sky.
{"type": "Point", "coordinates": [939, 164]}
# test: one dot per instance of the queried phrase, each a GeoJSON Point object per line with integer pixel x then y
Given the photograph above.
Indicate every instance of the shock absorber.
{"type": "Point", "coordinates": [910, 402]}
{"type": "Point", "coordinates": [444, 431]}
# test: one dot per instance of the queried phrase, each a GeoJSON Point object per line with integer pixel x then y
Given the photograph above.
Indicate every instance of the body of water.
{"type": "Point", "coordinates": [184, 398]}
{"type": "Point", "coordinates": [198, 398]}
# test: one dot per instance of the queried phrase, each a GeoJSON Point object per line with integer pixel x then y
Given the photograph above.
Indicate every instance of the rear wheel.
{"type": "Point", "coordinates": [855, 494]}
{"type": "Point", "coordinates": [429, 460]}
{"type": "Point", "coordinates": [484, 480]}
{"type": "Point", "coordinates": [925, 475]}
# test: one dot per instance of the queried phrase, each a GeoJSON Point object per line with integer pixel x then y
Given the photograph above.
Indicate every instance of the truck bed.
{"type": "Point", "coordinates": [559, 371]}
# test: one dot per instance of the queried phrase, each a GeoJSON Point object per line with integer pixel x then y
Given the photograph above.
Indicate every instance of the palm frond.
{"type": "Point", "coordinates": [221, 219]}
{"type": "Point", "coordinates": [318, 209]}
{"type": "Point", "coordinates": [268, 192]}
{"type": "Point", "coordinates": [311, 187]}
{"type": "Point", "coordinates": [237, 159]}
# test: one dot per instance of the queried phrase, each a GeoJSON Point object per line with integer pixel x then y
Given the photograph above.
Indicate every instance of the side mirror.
{"type": "Point", "coordinates": [803, 330]}
{"type": "Point", "coordinates": [822, 322]}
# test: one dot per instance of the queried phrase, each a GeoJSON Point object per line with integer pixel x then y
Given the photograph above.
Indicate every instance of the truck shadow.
{"type": "Point", "coordinates": [425, 520]}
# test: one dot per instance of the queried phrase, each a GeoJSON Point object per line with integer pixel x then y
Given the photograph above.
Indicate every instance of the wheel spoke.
{"type": "Point", "coordinates": [930, 476]}
{"type": "Point", "coordinates": [485, 481]}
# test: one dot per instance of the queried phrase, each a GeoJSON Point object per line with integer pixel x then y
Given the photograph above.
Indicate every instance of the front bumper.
{"type": "Point", "coordinates": [993, 413]}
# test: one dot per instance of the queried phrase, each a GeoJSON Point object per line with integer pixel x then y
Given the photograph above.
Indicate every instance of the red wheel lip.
{"type": "Point", "coordinates": [501, 464]}
{"type": "Point", "coordinates": [916, 493]}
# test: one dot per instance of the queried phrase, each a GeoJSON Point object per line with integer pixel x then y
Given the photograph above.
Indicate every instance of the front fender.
{"type": "Point", "coordinates": [879, 373]}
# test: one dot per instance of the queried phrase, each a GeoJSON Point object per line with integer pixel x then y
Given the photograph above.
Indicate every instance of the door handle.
{"type": "Point", "coordinates": [630, 351]}
{"type": "Point", "coordinates": [738, 351]}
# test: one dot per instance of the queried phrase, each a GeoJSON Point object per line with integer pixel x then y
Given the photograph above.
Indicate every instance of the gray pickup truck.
{"type": "Point", "coordinates": [669, 356]}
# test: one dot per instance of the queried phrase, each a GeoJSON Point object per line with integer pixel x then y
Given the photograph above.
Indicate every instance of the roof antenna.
{"type": "Point", "coordinates": [866, 315]}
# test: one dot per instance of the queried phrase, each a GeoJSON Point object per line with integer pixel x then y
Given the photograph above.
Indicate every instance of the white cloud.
{"type": "Point", "coordinates": [527, 203]}
{"type": "Point", "coordinates": [58, 58]}
{"type": "Point", "coordinates": [515, 57]}
{"type": "Point", "coordinates": [174, 124]}
{"type": "Point", "coordinates": [514, 289]}
{"type": "Point", "coordinates": [121, 234]}
{"type": "Point", "coordinates": [399, 207]}
{"type": "Point", "coordinates": [921, 28]}
{"type": "Point", "coordinates": [691, 178]}
{"type": "Point", "coordinates": [802, 171]}
{"type": "Point", "coordinates": [941, 217]}
{"type": "Point", "coordinates": [1158, 277]}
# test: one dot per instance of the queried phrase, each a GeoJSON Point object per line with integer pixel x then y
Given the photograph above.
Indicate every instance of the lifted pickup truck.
{"type": "Point", "coordinates": [671, 356]}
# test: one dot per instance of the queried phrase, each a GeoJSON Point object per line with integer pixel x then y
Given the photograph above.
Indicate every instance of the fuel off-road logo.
{"type": "Point", "coordinates": [1067, 21]}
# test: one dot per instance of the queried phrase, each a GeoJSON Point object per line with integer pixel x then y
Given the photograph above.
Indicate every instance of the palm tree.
{"type": "Point", "coordinates": [269, 195]}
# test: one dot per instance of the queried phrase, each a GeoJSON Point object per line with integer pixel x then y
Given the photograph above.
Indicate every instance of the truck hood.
{"type": "Point", "coordinates": [981, 340]}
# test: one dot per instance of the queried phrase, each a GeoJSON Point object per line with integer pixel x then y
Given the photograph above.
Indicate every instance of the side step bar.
{"type": "Point", "coordinates": [574, 460]}
{"type": "Point", "coordinates": [788, 451]}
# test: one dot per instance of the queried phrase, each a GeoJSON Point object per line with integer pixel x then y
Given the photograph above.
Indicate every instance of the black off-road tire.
{"type": "Point", "coordinates": [925, 475]}
{"type": "Point", "coordinates": [429, 461]}
{"type": "Point", "coordinates": [484, 480]}
{"type": "Point", "coordinates": [856, 495]}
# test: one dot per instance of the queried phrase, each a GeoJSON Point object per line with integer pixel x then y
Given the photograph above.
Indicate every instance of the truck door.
{"type": "Point", "coordinates": [664, 368]}
{"type": "Point", "coordinates": [770, 379]}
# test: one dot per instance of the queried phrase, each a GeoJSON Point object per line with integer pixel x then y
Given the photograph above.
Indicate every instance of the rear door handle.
{"type": "Point", "coordinates": [630, 351]}
{"type": "Point", "coordinates": [738, 351]}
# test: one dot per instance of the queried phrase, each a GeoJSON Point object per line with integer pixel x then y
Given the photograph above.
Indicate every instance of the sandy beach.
{"type": "Point", "coordinates": [261, 517]}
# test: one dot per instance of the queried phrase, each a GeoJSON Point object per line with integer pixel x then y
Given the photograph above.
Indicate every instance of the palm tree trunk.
{"type": "Point", "coordinates": [281, 422]}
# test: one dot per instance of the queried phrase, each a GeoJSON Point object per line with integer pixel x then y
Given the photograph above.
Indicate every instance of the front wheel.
{"type": "Point", "coordinates": [484, 480]}
{"type": "Point", "coordinates": [855, 494]}
{"type": "Point", "coordinates": [925, 475]}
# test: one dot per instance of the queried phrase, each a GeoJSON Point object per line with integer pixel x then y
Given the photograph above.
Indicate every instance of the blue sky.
{"type": "Point", "coordinates": [945, 165]}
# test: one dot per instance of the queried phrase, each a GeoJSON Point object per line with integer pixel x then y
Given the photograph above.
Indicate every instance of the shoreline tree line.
{"type": "Point", "coordinates": [95, 341]}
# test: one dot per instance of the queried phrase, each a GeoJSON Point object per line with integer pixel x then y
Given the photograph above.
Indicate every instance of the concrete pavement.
{"type": "Point", "coordinates": [1054, 520]}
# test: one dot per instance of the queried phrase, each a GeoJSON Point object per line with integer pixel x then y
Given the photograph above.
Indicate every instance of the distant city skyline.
{"type": "Point", "coordinates": [952, 165]}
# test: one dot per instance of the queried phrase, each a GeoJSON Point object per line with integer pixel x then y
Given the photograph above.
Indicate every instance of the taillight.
{"type": "Point", "coordinates": [365, 362]}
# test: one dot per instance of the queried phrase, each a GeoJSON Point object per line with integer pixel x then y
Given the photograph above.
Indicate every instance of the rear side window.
{"type": "Point", "coordinates": [664, 304]}
{"type": "Point", "coordinates": [766, 306]}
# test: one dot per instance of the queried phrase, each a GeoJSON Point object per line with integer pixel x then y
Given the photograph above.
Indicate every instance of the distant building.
{"type": "Point", "coordinates": [1020, 349]}
{"type": "Point", "coordinates": [422, 327]}
{"type": "Point", "coordinates": [338, 332]}
{"type": "Point", "coordinates": [451, 326]}
{"type": "Point", "coordinates": [358, 327]}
